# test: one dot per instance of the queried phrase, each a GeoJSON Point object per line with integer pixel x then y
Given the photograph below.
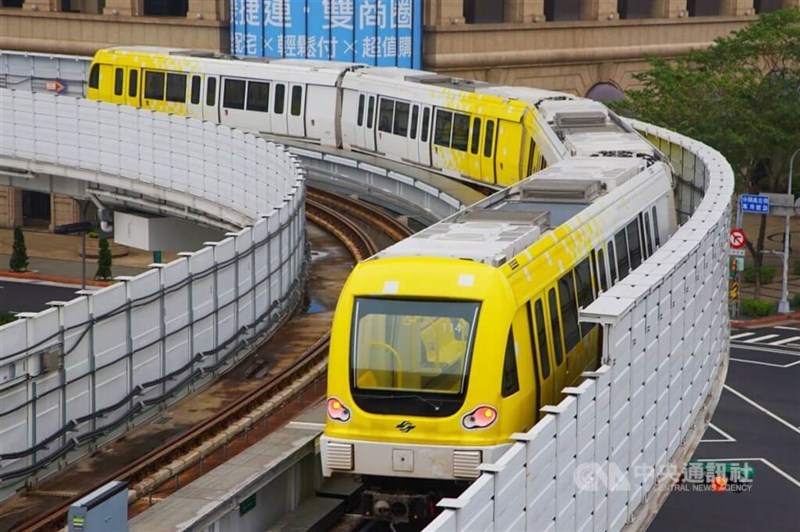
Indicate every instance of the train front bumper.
{"type": "Point", "coordinates": [399, 460]}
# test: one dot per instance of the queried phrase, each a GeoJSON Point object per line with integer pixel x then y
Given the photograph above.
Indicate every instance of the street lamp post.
{"type": "Point", "coordinates": [783, 305]}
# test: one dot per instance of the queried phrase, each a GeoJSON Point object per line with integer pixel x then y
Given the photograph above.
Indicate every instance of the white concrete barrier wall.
{"type": "Point", "coordinates": [597, 455]}
{"type": "Point", "coordinates": [36, 72]}
{"type": "Point", "coordinates": [89, 368]}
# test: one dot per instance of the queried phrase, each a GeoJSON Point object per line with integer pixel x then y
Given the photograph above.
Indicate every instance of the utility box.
{"type": "Point", "coordinates": [103, 510]}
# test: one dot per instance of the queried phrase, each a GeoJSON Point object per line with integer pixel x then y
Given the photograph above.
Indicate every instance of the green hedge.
{"type": "Point", "coordinates": [756, 307]}
{"type": "Point", "coordinates": [6, 317]}
{"type": "Point", "coordinates": [794, 301]}
{"type": "Point", "coordinates": [767, 274]}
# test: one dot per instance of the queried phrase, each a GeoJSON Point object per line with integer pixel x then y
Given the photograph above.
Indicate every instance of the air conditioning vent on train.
{"type": "Point", "coordinates": [580, 119]}
{"type": "Point", "coordinates": [560, 190]}
{"type": "Point", "coordinates": [465, 464]}
{"type": "Point", "coordinates": [516, 217]}
{"type": "Point", "coordinates": [340, 456]}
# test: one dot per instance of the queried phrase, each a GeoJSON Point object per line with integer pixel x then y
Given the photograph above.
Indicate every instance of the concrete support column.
{"type": "Point", "coordinates": [599, 10]}
{"type": "Point", "coordinates": [208, 9]}
{"type": "Point", "coordinates": [737, 8]}
{"type": "Point", "coordinates": [444, 12]}
{"type": "Point", "coordinates": [41, 5]}
{"type": "Point", "coordinates": [124, 7]}
{"type": "Point", "coordinates": [669, 9]}
{"type": "Point", "coordinates": [524, 10]}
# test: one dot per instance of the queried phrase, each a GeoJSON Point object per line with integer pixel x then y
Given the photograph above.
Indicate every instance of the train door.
{"type": "Point", "coordinates": [542, 355]}
{"type": "Point", "coordinates": [279, 110]}
{"type": "Point", "coordinates": [369, 133]}
{"type": "Point", "coordinates": [297, 106]}
{"type": "Point", "coordinates": [112, 84]}
{"type": "Point", "coordinates": [412, 151]}
{"type": "Point", "coordinates": [424, 144]}
{"type": "Point", "coordinates": [474, 152]}
{"type": "Point", "coordinates": [233, 112]}
{"type": "Point", "coordinates": [195, 105]}
{"type": "Point", "coordinates": [519, 401]}
{"type": "Point", "coordinates": [557, 342]}
{"type": "Point", "coordinates": [487, 152]}
{"type": "Point", "coordinates": [210, 100]}
{"type": "Point", "coordinates": [132, 91]}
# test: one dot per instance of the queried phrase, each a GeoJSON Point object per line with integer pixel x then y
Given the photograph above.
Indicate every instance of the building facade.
{"type": "Point", "coordinates": [584, 47]}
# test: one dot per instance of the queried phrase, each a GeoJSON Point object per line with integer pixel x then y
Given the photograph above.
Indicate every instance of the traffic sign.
{"type": "Point", "coordinates": [756, 203]}
{"type": "Point", "coordinates": [736, 253]}
{"type": "Point", "coordinates": [734, 290]}
{"type": "Point", "coordinates": [737, 239]}
{"type": "Point", "coordinates": [56, 86]}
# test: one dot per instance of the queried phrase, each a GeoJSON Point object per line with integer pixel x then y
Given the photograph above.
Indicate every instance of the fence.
{"type": "Point", "coordinates": [615, 441]}
{"type": "Point", "coordinates": [92, 367]}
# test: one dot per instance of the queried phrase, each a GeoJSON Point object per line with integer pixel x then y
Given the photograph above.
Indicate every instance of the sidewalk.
{"type": "Point", "coordinates": [57, 258]}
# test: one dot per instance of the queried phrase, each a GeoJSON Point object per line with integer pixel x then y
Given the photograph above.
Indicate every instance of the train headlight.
{"type": "Point", "coordinates": [479, 418]}
{"type": "Point", "coordinates": [337, 411]}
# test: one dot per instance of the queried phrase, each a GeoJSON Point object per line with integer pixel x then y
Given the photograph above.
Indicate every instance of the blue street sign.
{"type": "Point", "coordinates": [754, 203]}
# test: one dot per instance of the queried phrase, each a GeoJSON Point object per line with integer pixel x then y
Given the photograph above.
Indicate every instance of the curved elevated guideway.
{"type": "Point", "coordinates": [664, 327]}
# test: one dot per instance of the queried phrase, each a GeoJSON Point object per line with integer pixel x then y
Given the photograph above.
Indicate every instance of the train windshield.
{"type": "Point", "coordinates": [412, 346]}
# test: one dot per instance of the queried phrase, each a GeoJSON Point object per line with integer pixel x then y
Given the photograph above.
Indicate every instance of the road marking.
{"type": "Point", "coordinates": [785, 341]}
{"type": "Point", "coordinates": [785, 328]}
{"type": "Point", "coordinates": [759, 407]}
{"type": "Point", "coordinates": [759, 339]}
{"type": "Point", "coordinates": [764, 349]}
{"type": "Point", "coordinates": [742, 335]}
{"type": "Point", "coordinates": [770, 364]}
{"type": "Point", "coordinates": [775, 468]}
{"type": "Point", "coordinates": [728, 437]}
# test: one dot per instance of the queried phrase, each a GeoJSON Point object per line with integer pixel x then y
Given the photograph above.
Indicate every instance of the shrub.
{"type": "Point", "coordinates": [794, 301]}
{"type": "Point", "coordinates": [756, 307]}
{"type": "Point", "coordinates": [767, 274]}
{"type": "Point", "coordinates": [6, 317]}
{"type": "Point", "coordinates": [19, 253]}
{"type": "Point", "coordinates": [103, 261]}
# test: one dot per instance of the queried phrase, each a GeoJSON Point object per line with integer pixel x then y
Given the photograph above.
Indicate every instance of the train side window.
{"type": "Point", "coordinates": [257, 96]}
{"type": "Point", "coordinates": [400, 126]}
{"type": "Point", "coordinates": [569, 312]}
{"type": "Point", "coordinates": [460, 132]}
{"type": "Point", "coordinates": [385, 115]}
{"type": "Point", "coordinates": [176, 87]}
{"type": "Point", "coordinates": [425, 124]}
{"type": "Point", "coordinates": [510, 377]}
{"type": "Point", "coordinates": [153, 85]}
{"type": "Point", "coordinates": [280, 97]}
{"type": "Point", "coordinates": [195, 91]}
{"type": "Point", "coordinates": [612, 263]}
{"type": "Point", "coordinates": [370, 112]}
{"type": "Point", "coordinates": [133, 83]}
{"type": "Point", "coordinates": [648, 239]}
{"type": "Point", "coordinates": [360, 120]}
{"type": "Point", "coordinates": [234, 94]}
{"type": "Point", "coordinates": [489, 140]}
{"type": "Point", "coordinates": [94, 76]}
{"type": "Point", "coordinates": [583, 279]}
{"type": "Point", "coordinates": [623, 266]}
{"type": "Point", "coordinates": [297, 100]}
{"type": "Point", "coordinates": [119, 81]}
{"type": "Point", "coordinates": [655, 227]}
{"type": "Point", "coordinates": [476, 136]}
{"type": "Point", "coordinates": [443, 127]}
{"type": "Point", "coordinates": [211, 92]}
{"type": "Point", "coordinates": [414, 117]}
{"type": "Point", "coordinates": [541, 338]}
{"type": "Point", "coordinates": [555, 327]}
{"type": "Point", "coordinates": [601, 269]}
{"type": "Point", "coordinates": [532, 148]}
{"type": "Point", "coordinates": [634, 244]}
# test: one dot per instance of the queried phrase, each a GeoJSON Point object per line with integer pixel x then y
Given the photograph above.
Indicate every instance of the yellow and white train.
{"type": "Point", "coordinates": [464, 129]}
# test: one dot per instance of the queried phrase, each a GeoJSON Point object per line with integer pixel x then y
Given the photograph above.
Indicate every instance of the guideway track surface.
{"type": "Point", "coordinates": [239, 412]}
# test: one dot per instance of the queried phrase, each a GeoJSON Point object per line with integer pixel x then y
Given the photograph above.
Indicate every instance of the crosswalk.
{"type": "Point", "coordinates": [774, 336]}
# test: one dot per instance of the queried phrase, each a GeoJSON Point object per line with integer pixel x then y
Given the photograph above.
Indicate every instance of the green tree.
{"type": "Point", "coordinates": [103, 260]}
{"type": "Point", "coordinates": [741, 96]}
{"type": "Point", "coordinates": [19, 253]}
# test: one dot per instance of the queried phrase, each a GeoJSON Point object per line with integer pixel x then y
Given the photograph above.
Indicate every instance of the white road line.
{"type": "Point", "coordinates": [759, 338]}
{"type": "Point", "coordinates": [781, 366]}
{"type": "Point", "coordinates": [742, 335]}
{"type": "Point", "coordinates": [775, 468]}
{"type": "Point", "coordinates": [759, 407]}
{"type": "Point", "coordinates": [724, 434]}
{"type": "Point", "coordinates": [785, 328]}
{"type": "Point", "coordinates": [785, 341]}
{"type": "Point", "coordinates": [765, 349]}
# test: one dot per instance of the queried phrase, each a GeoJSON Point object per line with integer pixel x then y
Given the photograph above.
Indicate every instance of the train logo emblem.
{"type": "Point", "coordinates": [405, 426]}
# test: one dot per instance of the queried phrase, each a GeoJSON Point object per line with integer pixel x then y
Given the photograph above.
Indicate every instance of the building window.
{"type": "Point", "coordinates": [605, 92]}
{"type": "Point", "coordinates": [166, 8]}
{"type": "Point", "coordinates": [767, 6]}
{"type": "Point", "coordinates": [703, 8]}
{"type": "Point", "coordinates": [562, 10]}
{"type": "Point", "coordinates": [11, 3]}
{"type": "Point", "coordinates": [483, 12]}
{"type": "Point", "coordinates": [633, 9]}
